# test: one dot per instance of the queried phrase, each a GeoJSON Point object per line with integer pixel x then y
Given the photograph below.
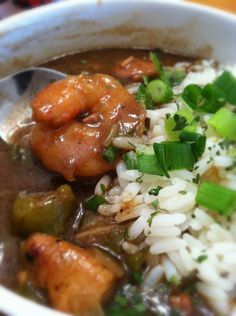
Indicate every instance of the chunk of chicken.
{"type": "Point", "coordinates": [75, 281]}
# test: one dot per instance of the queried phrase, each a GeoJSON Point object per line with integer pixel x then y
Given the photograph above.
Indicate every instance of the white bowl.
{"type": "Point", "coordinates": [176, 26]}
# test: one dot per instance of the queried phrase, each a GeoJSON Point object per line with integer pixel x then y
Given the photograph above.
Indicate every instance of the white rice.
{"type": "Point", "coordinates": [183, 238]}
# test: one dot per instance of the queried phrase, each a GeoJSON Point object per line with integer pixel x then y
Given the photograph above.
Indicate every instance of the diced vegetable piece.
{"type": "Point", "coordinates": [224, 123]}
{"type": "Point", "coordinates": [182, 120]}
{"type": "Point", "coordinates": [130, 159]}
{"type": "Point", "coordinates": [159, 91]}
{"type": "Point", "coordinates": [216, 198]}
{"type": "Point", "coordinates": [174, 156]}
{"type": "Point", "coordinates": [147, 162]}
{"type": "Point", "coordinates": [226, 82]}
{"type": "Point", "coordinates": [94, 202]}
{"type": "Point", "coordinates": [45, 212]}
{"type": "Point", "coordinates": [198, 141]}
{"type": "Point", "coordinates": [111, 153]}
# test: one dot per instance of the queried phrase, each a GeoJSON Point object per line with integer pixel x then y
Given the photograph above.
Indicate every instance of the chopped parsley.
{"type": "Point", "coordinates": [150, 219]}
{"type": "Point", "coordinates": [201, 258]}
{"type": "Point", "coordinates": [180, 122]}
{"type": "Point", "coordinates": [155, 204]}
{"type": "Point", "coordinates": [196, 179]}
{"type": "Point", "coordinates": [103, 189]}
{"type": "Point", "coordinates": [155, 191]}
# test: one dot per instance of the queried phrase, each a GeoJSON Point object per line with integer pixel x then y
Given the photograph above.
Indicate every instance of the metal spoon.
{"type": "Point", "coordinates": [16, 91]}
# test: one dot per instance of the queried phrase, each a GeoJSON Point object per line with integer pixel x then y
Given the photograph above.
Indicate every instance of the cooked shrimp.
{"type": "Point", "coordinates": [77, 118]}
{"type": "Point", "coordinates": [134, 68]}
{"type": "Point", "coordinates": [75, 281]}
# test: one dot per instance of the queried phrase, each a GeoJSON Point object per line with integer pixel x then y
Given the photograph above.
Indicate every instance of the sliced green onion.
{"type": "Point", "coordinates": [192, 95]}
{"type": "Point", "coordinates": [175, 75]}
{"type": "Point", "coordinates": [147, 162]}
{"type": "Point", "coordinates": [216, 198]}
{"type": "Point", "coordinates": [159, 91]}
{"type": "Point", "coordinates": [173, 129]}
{"type": "Point", "coordinates": [94, 202]}
{"type": "Point", "coordinates": [207, 99]}
{"type": "Point", "coordinates": [198, 141]}
{"type": "Point", "coordinates": [111, 153]}
{"type": "Point", "coordinates": [174, 156]}
{"type": "Point", "coordinates": [224, 123]}
{"type": "Point", "coordinates": [143, 98]}
{"type": "Point", "coordinates": [159, 69]}
{"type": "Point", "coordinates": [226, 82]}
{"type": "Point", "coordinates": [130, 159]}
{"type": "Point", "coordinates": [214, 98]}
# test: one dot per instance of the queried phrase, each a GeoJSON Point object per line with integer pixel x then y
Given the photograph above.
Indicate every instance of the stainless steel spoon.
{"type": "Point", "coordinates": [16, 91]}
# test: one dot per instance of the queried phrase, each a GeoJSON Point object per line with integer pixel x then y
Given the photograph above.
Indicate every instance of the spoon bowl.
{"type": "Point", "coordinates": [16, 92]}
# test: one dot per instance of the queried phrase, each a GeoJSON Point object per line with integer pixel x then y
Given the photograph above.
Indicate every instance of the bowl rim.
{"type": "Point", "coordinates": [9, 22]}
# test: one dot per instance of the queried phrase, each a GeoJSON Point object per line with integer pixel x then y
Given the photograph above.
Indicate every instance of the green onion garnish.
{"type": "Point", "coordinates": [147, 163]}
{"type": "Point", "coordinates": [175, 75]}
{"type": "Point", "coordinates": [174, 156]}
{"type": "Point", "coordinates": [224, 123]}
{"type": "Point", "coordinates": [226, 82]}
{"type": "Point", "coordinates": [192, 95]}
{"type": "Point", "coordinates": [198, 141]}
{"type": "Point", "coordinates": [207, 99]}
{"type": "Point", "coordinates": [143, 98]}
{"type": "Point", "coordinates": [94, 202]}
{"type": "Point", "coordinates": [216, 198]}
{"type": "Point", "coordinates": [159, 91]}
{"type": "Point", "coordinates": [159, 69]}
{"type": "Point", "coordinates": [111, 153]}
{"type": "Point", "coordinates": [183, 119]}
{"type": "Point", "coordinates": [130, 159]}
{"type": "Point", "coordinates": [213, 96]}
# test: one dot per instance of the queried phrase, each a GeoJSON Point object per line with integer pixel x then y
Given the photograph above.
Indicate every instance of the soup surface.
{"type": "Point", "coordinates": [82, 218]}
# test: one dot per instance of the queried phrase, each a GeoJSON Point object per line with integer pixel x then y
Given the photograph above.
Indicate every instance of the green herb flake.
{"type": "Point", "coordinates": [126, 234]}
{"type": "Point", "coordinates": [175, 280]}
{"type": "Point", "coordinates": [180, 122]}
{"type": "Point", "coordinates": [155, 191]}
{"type": "Point", "coordinates": [122, 300]}
{"type": "Point", "coordinates": [183, 192]}
{"type": "Point", "coordinates": [103, 188]}
{"type": "Point", "coordinates": [196, 179]}
{"type": "Point", "coordinates": [201, 258]}
{"type": "Point", "coordinates": [137, 277]}
{"type": "Point", "coordinates": [140, 307]}
{"type": "Point", "coordinates": [94, 202]}
{"type": "Point", "coordinates": [111, 153]}
{"type": "Point", "coordinates": [83, 61]}
{"type": "Point", "coordinates": [150, 219]}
